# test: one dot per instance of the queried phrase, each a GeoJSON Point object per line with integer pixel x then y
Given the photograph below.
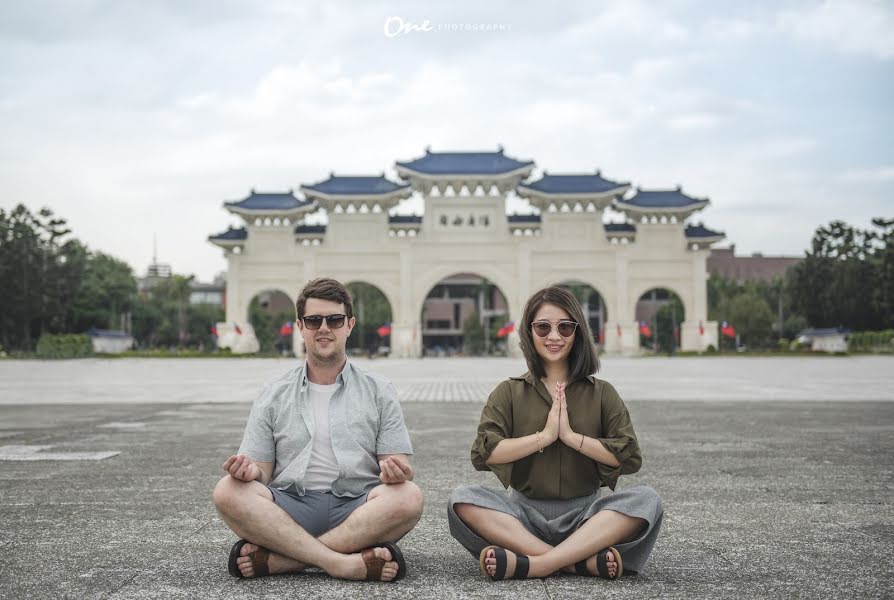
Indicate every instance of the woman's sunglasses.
{"type": "Point", "coordinates": [314, 322]}
{"type": "Point", "coordinates": [565, 328]}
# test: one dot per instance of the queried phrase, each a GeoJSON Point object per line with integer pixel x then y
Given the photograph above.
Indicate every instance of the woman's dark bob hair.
{"type": "Point", "coordinates": [582, 360]}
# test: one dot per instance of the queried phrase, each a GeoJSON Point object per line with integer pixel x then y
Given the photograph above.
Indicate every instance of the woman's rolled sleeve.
{"type": "Point", "coordinates": [494, 427]}
{"type": "Point", "coordinates": [619, 438]}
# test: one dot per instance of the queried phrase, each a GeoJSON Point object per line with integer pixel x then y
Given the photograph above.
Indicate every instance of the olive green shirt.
{"type": "Point", "coordinates": [519, 406]}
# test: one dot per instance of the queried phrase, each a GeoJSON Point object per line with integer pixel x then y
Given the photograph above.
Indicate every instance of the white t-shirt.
{"type": "Point", "coordinates": [322, 469]}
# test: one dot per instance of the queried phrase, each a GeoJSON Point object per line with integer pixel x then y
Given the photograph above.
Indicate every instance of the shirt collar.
{"type": "Point", "coordinates": [343, 377]}
{"type": "Point", "coordinates": [532, 379]}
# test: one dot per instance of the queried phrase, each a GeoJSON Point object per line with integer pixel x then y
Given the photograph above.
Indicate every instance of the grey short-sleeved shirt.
{"type": "Point", "coordinates": [365, 421]}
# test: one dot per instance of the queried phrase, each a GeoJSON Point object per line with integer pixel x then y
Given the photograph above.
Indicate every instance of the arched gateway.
{"type": "Point", "coordinates": [465, 229]}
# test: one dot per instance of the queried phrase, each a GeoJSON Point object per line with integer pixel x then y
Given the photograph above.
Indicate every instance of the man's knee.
{"type": "Point", "coordinates": [229, 491]}
{"type": "Point", "coordinates": [407, 501]}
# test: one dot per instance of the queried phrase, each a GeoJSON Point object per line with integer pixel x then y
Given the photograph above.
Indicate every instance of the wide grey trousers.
{"type": "Point", "coordinates": [554, 520]}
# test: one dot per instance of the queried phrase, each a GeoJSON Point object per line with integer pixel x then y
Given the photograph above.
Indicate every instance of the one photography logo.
{"type": "Point", "coordinates": [398, 26]}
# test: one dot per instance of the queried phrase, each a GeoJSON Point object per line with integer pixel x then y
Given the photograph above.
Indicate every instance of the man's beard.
{"type": "Point", "coordinates": [328, 359]}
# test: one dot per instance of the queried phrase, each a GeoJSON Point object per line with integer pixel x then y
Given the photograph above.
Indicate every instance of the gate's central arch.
{"type": "Point", "coordinates": [465, 229]}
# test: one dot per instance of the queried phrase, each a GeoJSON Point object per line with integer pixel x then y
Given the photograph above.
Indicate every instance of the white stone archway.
{"type": "Point", "coordinates": [465, 229]}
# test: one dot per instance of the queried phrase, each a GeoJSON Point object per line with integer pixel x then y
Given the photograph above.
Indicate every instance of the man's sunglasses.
{"type": "Point", "coordinates": [565, 328]}
{"type": "Point", "coordinates": [314, 322]}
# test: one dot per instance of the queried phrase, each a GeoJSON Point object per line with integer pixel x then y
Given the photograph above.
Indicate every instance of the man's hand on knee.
{"type": "Point", "coordinates": [241, 467]}
{"type": "Point", "coordinates": [395, 469]}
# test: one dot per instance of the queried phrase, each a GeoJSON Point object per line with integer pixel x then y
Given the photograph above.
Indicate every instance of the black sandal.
{"type": "Point", "coordinates": [601, 565]}
{"type": "Point", "coordinates": [522, 563]}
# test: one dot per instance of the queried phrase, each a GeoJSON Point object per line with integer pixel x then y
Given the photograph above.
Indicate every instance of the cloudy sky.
{"type": "Point", "coordinates": [133, 118]}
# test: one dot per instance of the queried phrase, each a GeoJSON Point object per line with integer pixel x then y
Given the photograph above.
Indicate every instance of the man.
{"type": "Point", "coordinates": [322, 477]}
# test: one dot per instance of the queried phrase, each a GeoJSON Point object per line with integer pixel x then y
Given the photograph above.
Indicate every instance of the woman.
{"type": "Point", "coordinates": [555, 435]}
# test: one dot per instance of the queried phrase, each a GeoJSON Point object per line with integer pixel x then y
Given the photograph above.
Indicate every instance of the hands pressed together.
{"type": "Point", "coordinates": [557, 426]}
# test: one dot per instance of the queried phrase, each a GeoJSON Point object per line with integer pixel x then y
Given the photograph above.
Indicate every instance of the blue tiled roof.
{"type": "Point", "coordinates": [231, 234]}
{"type": "Point", "coordinates": [465, 163]}
{"type": "Point", "coordinates": [619, 228]}
{"type": "Point", "coordinates": [573, 184]}
{"type": "Point", "coordinates": [355, 186]}
{"type": "Point", "coordinates": [114, 333]}
{"type": "Point", "coordinates": [524, 218]}
{"type": "Point", "coordinates": [274, 201]}
{"type": "Point", "coordinates": [700, 231]}
{"type": "Point", "coordinates": [404, 219]}
{"type": "Point", "coordinates": [310, 229]}
{"type": "Point", "coordinates": [824, 332]}
{"type": "Point", "coordinates": [661, 199]}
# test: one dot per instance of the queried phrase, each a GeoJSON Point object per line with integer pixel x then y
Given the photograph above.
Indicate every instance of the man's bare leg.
{"type": "Point", "coordinates": [389, 513]}
{"type": "Point", "coordinates": [249, 510]}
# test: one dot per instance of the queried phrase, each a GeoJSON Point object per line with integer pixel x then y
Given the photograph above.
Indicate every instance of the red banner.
{"type": "Point", "coordinates": [727, 330]}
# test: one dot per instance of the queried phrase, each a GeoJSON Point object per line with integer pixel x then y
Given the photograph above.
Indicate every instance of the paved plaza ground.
{"type": "Point", "coordinates": [776, 475]}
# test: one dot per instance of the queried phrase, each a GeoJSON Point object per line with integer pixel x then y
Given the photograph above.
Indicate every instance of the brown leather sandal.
{"type": "Point", "coordinates": [374, 564]}
{"type": "Point", "coordinates": [258, 561]}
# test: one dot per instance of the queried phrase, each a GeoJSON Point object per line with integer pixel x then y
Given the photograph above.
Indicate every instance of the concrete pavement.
{"type": "Point", "coordinates": [764, 496]}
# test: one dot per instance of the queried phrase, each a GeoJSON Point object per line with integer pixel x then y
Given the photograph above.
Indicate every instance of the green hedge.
{"type": "Point", "coordinates": [64, 346]}
{"type": "Point", "coordinates": [872, 341]}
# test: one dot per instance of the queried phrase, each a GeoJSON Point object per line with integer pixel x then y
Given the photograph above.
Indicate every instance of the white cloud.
{"type": "Point", "coordinates": [727, 29]}
{"type": "Point", "coordinates": [152, 132]}
{"type": "Point", "coordinates": [853, 26]}
{"type": "Point", "coordinates": [775, 148]}
{"type": "Point", "coordinates": [880, 174]}
{"type": "Point", "coordinates": [634, 17]}
{"type": "Point", "coordinates": [683, 122]}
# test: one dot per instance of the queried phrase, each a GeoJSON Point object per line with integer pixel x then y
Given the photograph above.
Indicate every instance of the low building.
{"type": "Point", "coordinates": [724, 263]}
{"type": "Point", "coordinates": [826, 340]}
{"type": "Point", "coordinates": [214, 293]}
{"type": "Point", "coordinates": [108, 341]}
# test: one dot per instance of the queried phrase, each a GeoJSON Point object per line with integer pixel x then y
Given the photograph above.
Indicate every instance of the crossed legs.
{"type": "Point", "coordinates": [602, 530]}
{"type": "Point", "coordinates": [248, 509]}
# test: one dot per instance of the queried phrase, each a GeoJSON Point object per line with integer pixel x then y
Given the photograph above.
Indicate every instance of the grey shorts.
{"type": "Point", "coordinates": [317, 511]}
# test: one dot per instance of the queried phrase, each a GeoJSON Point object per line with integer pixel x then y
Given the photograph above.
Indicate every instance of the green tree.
{"type": "Point", "coordinates": [372, 310]}
{"type": "Point", "coordinates": [21, 258]}
{"type": "Point", "coordinates": [107, 290]}
{"type": "Point", "coordinates": [837, 283]}
{"type": "Point", "coordinates": [883, 261]}
{"type": "Point", "coordinates": [473, 335]}
{"type": "Point", "coordinates": [201, 318]}
{"type": "Point", "coordinates": [752, 318]}
{"type": "Point", "coordinates": [267, 324]}
{"type": "Point", "coordinates": [667, 322]}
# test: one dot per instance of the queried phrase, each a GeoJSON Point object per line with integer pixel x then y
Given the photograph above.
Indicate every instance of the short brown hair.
{"type": "Point", "coordinates": [582, 360]}
{"type": "Point", "coordinates": [324, 289]}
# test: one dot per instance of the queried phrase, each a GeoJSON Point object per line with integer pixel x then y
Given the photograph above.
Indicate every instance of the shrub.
{"type": "Point", "coordinates": [70, 345]}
